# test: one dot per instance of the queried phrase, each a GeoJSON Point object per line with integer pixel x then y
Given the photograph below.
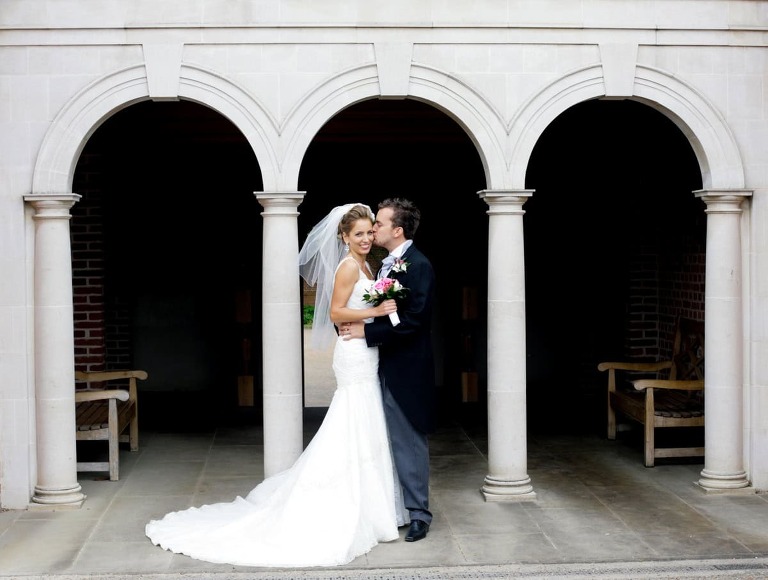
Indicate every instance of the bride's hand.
{"type": "Point", "coordinates": [386, 307]}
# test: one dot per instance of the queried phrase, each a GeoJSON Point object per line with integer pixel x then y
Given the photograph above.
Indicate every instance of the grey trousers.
{"type": "Point", "coordinates": [410, 448]}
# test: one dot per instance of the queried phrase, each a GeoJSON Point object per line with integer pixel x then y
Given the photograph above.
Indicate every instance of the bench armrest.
{"type": "Point", "coordinates": [98, 395]}
{"type": "Point", "coordinates": [635, 366]}
{"type": "Point", "coordinates": [103, 376]}
{"type": "Point", "coordinates": [643, 384]}
{"type": "Point", "coordinates": [95, 376]}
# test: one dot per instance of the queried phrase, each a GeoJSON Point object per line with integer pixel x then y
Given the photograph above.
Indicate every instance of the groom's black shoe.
{"type": "Point", "coordinates": [417, 531]}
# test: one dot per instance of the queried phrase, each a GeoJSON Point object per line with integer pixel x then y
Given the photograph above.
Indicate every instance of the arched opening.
{"type": "Point", "coordinates": [406, 148]}
{"type": "Point", "coordinates": [615, 243]}
{"type": "Point", "coordinates": [166, 261]}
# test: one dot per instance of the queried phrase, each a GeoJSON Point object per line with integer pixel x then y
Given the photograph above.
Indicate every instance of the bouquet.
{"type": "Point", "coordinates": [386, 289]}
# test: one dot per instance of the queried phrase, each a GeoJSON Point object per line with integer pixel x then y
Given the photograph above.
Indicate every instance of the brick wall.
{"type": "Point", "coordinates": [87, 239]}
{"type": "Point", "coordinates": [101, 321]}
{"type": "Point", "coordinates": [666, 281]}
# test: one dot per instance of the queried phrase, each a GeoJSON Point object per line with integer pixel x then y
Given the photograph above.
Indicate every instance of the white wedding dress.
{"type": "Point", "coordinates": [337, 501]}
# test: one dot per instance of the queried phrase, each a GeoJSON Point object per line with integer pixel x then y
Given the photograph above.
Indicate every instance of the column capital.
{"type": "Point", "coordinates": [505, 201]}
{"type": "Point", "coordinates": [723, 200]}
{"type": "Point", "coordinates": [283, 203]}
{"type": "Point", "coordinates": [52, 205]}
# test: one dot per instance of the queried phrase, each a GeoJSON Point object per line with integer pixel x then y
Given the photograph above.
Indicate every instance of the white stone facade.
{"type": "Point", "coordinates": [279, 70]}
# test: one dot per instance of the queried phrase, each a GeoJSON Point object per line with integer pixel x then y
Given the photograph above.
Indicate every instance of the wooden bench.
{"type": "Point", "coordinates": [105, 413]}
{"type": "Point", "coordinates": [674, 398]}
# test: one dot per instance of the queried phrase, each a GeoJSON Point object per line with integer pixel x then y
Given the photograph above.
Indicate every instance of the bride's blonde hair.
{"type": "Point", "coordinates": [357, 212]}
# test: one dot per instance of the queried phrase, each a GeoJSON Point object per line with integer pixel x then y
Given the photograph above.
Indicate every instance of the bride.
{"type": "Point", "coordinates": [341, 497]}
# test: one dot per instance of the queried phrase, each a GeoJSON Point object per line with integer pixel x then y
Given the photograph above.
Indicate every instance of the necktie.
{"type": "Point", "coordinates": [386, 265]}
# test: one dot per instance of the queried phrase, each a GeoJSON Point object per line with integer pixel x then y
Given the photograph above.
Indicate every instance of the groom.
{"type": "Point", "coordinates": [406, 365]}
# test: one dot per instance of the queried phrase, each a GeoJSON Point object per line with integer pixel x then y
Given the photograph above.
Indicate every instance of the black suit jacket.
{"type": "Point", "coordinates": [406, 360]}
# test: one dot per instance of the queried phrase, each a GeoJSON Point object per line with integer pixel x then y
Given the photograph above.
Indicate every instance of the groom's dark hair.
{"type": "Point", "coordinates": [405, 214]}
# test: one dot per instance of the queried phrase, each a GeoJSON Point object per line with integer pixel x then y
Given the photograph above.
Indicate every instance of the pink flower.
{"type": "Point", "coordinates": [384, 289]}
{"type": "Point", "coordinates": [383, 285]}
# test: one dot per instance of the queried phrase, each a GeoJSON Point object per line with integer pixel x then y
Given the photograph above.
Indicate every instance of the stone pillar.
{"type": "Point", "coordinates": [281, 331]}
{"type": "Point", "coordinates": [54, 353]}
{"type": "Point", "coordinates": [507, 479]}
{"type": "Point", "coordinates": [723, 339]}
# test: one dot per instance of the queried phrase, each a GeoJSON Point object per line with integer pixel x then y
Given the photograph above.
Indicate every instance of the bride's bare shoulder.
{"type": "Point", "coordinates": [347, 266]}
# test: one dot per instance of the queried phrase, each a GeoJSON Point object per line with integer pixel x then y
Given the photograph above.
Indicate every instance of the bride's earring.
{"type": "Point", "coordinates": [346, 247]}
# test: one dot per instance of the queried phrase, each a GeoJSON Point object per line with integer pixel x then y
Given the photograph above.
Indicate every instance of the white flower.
{"type": "Point", "coordinates": [399, 266]}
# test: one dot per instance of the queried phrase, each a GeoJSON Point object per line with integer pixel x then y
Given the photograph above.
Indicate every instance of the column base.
{"type": "Point", "coordinates": [722, 482]}
{"type": "Point", "coordinates": [737, 491]}
{"type": "Point", "coordinates": [505, 490]}
{"type": "Point", "coordinates": [56, 498]}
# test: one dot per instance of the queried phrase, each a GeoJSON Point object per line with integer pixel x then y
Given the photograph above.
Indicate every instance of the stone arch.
{"type": "Point", "coordinates": [711, 139]}
{"type": "Point", "coordinates": [83, 114]}
{"type": "Point", "coordinates": [477, 117]}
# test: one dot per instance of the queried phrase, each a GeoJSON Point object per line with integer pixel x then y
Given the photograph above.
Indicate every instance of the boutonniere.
{"type": "Point", "coordinates": [399, 266]}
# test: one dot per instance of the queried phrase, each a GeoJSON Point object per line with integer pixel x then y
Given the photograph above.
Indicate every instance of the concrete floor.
{"type": "Point", "coordinates": [597, 505]}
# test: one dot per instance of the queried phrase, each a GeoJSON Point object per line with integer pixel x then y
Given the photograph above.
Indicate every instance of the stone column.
{"type": "Point", "coordinates": [507, 479]}
{"type": "Point", "coordinates": [281, 331]}
{"type": "Point", "coordinates": [54, 353]}
{"type": "Point", "coordinates": [723, 338]}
